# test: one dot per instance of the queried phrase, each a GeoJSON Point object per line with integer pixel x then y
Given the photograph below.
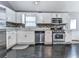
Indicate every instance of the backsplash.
{"type": "Point", "coordinates": [46, 25]}
{"type": "Point", "coordinates": [11, 24]}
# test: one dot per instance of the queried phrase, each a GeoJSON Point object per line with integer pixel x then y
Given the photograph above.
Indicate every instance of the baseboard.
{"type": "Point", "coordinates": [39, 43]}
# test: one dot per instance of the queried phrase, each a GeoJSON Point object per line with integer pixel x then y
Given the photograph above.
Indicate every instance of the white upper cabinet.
{"type": "Point", "coordinates": [47, 17]}
{"type": "Point", "coordinates": [57, 15]}
{"type": "Point", "coordinates": [64, 16]}
{"type": "Point", "coordinates": [41, 17]}
{"type": "Point", "coordinates": [44, 18]}
{"type": "Point", "coordinates": [18, 17]}
{"type": "Point", "coordinates": [10, 15]}
{"type": "Point", "coordinates": [2, 12]}
{"type": "Point", "coordinates": [21, 16]}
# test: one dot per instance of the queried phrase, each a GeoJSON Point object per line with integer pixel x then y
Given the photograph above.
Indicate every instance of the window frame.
{"type": "Point", "coordinates": [73, 28]}
{"type": "Point", "coordinates": [26, 22]}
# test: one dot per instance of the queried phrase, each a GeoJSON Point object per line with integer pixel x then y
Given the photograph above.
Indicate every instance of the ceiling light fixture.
{"type": "Point", "coordinates": [36, 2]}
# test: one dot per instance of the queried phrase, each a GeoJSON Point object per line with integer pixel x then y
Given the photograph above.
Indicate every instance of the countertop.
{"type": "Point", "coordinates": [29, 29]}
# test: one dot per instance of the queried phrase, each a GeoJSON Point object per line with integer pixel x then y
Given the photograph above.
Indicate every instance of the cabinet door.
{"type": "Point", "coordinates": [25, 37]}
{"type": "Point", "coordinates": [2, 15]}
{"type": "Point", "coordinates": [40, 18]}
{"type": "Point", "coordinates": [65, 17]}
{"type": "Point", "coordinates": [20, 37]}
{"type": "Point", "coordinates": [11, 39]}
{"type": "Point", "coordinates": [10, 15]}
{"type": "Point", "coordinates": [30, 37]}
{"type": "Point", "coordinates": [13, 16]}
{"type": "Point", "coordinates": [13, 36]}
{"type": "Point", "coordinates": [48, 37]}
{"type": "Point", "coordinates": [56, 15]}
{"type": "Point", "coordinates": [44, 18]}
{"type": "Point", "coordinates": [18, 17]}
{"type": "Point", "coordinates": [53, 15]}
{"type": "Point", "coordinates": [2, 12]}
{"type": "Point", "coordinates": [8, 39]}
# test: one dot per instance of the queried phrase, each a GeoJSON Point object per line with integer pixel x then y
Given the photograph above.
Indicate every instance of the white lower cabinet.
{"type": "Point", "coordinates": [48, 37]}
{"type": "Point", "coordinates": [30, 37]}
{"type": "Point", "coordinates": [20, 37]}
{"type": "Point", "coordinates": [25, 37]}
{"type": "Point", "coordinates": [10, 39]}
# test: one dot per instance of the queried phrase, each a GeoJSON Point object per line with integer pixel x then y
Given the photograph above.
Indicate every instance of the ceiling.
{"type": "Point", "coordinates": [50, 6]}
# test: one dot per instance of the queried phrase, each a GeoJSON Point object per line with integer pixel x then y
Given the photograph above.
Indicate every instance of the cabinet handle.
{"type": "Point", "coordinates": [9, 37]}
{"type": "Point", "coordinates": [25, 35]}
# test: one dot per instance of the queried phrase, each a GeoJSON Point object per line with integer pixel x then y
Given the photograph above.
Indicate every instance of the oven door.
{"type": "Point", "coordinates": [58, 37]}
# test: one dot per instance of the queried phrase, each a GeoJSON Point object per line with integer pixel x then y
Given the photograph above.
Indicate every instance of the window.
{"type": "Point", "coordinates": [73, 24]}
{"type": "Point", "coordinates": [30, 21]}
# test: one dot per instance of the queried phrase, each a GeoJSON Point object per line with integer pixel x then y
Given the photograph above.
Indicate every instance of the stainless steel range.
{"type": "Point", "coordinates": [58, 32]}
{"type": "Point", "coordinates": [58, 36]}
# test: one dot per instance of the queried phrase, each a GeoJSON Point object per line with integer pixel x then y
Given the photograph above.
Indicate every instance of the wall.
{"type": "Point", "coordinates": [66, 19]}
{"type": "Point", "coordinates": [75, 33]}
{"type": "Point", "coordinates": [71, 34]}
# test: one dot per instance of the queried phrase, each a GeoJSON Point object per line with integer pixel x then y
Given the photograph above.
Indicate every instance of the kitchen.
{"type": "Point", "coordinates": [33, 27]}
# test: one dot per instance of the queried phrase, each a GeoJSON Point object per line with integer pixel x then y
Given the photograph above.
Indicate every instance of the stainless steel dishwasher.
{"type": "Point", "coordinates": [39, 37]}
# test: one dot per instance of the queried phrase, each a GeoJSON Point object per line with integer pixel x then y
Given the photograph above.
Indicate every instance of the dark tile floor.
{"type": "Point", "coordinates": [43, 51]}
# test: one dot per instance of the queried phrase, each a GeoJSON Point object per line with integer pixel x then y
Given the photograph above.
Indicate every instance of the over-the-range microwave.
{"type": "Point", "coordinates": [56, 20]}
